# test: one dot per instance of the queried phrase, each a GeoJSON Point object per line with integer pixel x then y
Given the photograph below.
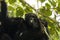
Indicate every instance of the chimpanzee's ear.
{"type": "Point", "coordinates": [44, 22]}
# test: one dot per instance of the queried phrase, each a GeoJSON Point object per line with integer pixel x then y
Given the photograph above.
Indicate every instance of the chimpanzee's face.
{"type": "Point", "coordinates": [33, 22]}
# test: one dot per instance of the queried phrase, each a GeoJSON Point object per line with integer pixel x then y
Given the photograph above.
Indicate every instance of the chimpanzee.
{"type": "Point", "coordinates": [18, 26]}
{"type": "Point", "coordinates": [10, 26]}
{"type": "Point", "coordinates": [3, 12]}
{"type": "Point", "coordinates": [15, 27]}
{"type": "Point", "coordinates": [34, 31]}
{"type": "Point", "coordinates": [32, 22]}
{"type": "Point", "coordinates": [4, 36]}
{"type": "Point", "coordinates": [3, 9]}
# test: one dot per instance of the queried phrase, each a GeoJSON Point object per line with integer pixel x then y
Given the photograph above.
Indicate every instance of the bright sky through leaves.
{"type": "Point", "coordinates": [36, 5]}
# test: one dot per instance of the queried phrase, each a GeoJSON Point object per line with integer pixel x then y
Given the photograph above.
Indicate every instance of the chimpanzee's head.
{"type": "Point", "coordinates": [32, 21]}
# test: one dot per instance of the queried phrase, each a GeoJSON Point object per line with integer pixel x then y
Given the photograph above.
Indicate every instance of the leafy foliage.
{"type": "Point", "coordinates": [19, 11]}
{"type": "Point", "coordinates": [42, 0]}
{"type": "Point", "coordinates": [53, 3]}
{"type": "Point", "coordinates": [48, 6]}
{"type": "Point", "coordinates": [11, 2]}
{"type": "Point", "coordinates": [47, 12]}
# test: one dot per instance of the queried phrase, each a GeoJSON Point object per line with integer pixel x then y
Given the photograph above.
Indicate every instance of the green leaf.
{"type": "Point", "coordinates": [12, 1]}
{"type": "Point", "coordinates": [58, 9]}
{"type": "Point", "coordinates": [48, 12]}
{"type": "Point", "coordinates": [58, 1]}
{"type": "Point", "coordinates": [42, 0]}
{"type": "Point", "coordinates": [45, 11]}
{"type": "Point", "coordinates": [42, 9]}
{"type": "Point", "coordinates": [47, 5]}
{"type": "Point", "coordinates": [59, 5]}
{"type": "Point", "coordinates": [10, 8]}
{"type": "Point", "coordinates": [21, 0]}
{"type": "Point", "coordinates": [52, 27]}
{"type": "Point", "coordinates": [23, 3]}
{"type": "Point", "coordinates": [28, 9]}
{"type": "Point", "coordinates": [53, 3]}
{"type": "Point", "coordinates": [19, 11]}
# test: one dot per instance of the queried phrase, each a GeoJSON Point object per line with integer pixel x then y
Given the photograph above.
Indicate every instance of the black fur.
{"type": "Point", "coordinates": [34, 31]}
{"type": "Point", "coordinates": [3, 13]}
